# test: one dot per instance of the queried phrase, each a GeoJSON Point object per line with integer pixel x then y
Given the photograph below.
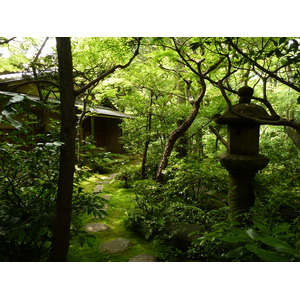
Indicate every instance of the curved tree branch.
{"type": "Point", "coordinates": [110, 71]}
{"type": "Point", "coordinates": [255, 63]}
{"type": "Point", "coordinates": [6, 41]}
{"type": "Point", "coordinates": [274, 121]}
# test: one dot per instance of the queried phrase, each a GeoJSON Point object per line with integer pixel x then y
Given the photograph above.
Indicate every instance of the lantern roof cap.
{"type": "Point", "coordinates": [242, 112]}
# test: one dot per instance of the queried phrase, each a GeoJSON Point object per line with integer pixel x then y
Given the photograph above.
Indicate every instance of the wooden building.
{"type": "Point", "coordinates": [101, 122]}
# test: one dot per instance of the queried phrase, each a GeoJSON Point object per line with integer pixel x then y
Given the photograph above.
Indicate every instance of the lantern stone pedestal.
{"type": "Point", "coordinates": [242, 170]}
{"type": "Point", "coordinates": [242, 159]}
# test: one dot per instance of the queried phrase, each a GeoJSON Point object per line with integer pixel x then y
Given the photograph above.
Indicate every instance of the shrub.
{"type": "Point", "coordinates": [28, 189]}
{"type": "Point", "coordinates": [201, 183]}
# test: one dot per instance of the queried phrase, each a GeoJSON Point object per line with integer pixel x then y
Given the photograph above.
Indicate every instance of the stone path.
{"type": "Point", "coordinates": [143, 258]}
{"type": "Point", "coordinates": [116, 245]}
{"type": "Point", "coordinates": [95, 227]}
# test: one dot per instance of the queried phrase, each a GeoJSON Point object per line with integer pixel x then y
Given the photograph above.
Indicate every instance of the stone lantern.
{"type": "Point", "coordinates": [242, 159]}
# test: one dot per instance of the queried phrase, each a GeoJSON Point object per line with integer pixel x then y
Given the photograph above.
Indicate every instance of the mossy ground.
{"type": "Point", "coordinates": [121, 200]}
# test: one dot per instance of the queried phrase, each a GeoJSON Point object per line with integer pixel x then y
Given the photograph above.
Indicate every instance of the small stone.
{"type": "Point", "coordinates": [143, 258]}
{"type": "Point", "coordinates": [96, 227]}
{"type": "Point", "coordinates": [106, 197]}
{"type": "Point", "coordinates": [98, 188]}
{"type": "Point", "coordinates": [114, 246]}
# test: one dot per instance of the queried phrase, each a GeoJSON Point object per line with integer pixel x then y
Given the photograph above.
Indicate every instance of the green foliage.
{"type": "Point", "coordinates": [95, 158]}
{"type": "Point", "coordinates": [189, 196]}
{"type": "Point", "coordinates": [129, 174]}
{"type": "Point", "coordinates": [11, 106]}
{"type": "Point", "coordinates": [279, 243]}
{"type": "Point", "coordinates": [28, 188]}
{"type": "Point", "coordinates": [201, 182]}
{"type": "Point", "coordinates": [156, 88]}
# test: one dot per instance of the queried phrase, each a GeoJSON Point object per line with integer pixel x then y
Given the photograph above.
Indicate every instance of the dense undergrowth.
{"type": "Point", "coordinates": [195, 192]}
{"type": "Point", "coordinates": [28, 189]}
{"type": "Point", "coordinates": [149, 214]}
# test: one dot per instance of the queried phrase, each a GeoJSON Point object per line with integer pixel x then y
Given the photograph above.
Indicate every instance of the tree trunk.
{"type": "Point", "coordinates": [144, 160]}
{"type": "Point", "coordinates": [174, 136]}
{"type": "Point", "coordinates": [294, 136]}
{"type": "Point", "coordinates": [183, 87]}
{"type": "Point", "coordinates": [80, 129]}
{"type": "Point", "coordinates": [182, 145]}
{"type": "Point", "coordinates": [61, 235]}
{"type": "Point", "coordinates": [148, 140]}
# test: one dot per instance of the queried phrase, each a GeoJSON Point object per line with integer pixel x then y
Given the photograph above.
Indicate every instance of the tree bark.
{"type": "Point", "coordinates": [294, 136]}
{"type": "Point", "coordinates": [148, 140]}
{"type": "Point", "coordinates": [175, 135]}
{"type": "Point", "coordinates": [61, 235]}
{"type": "Point", "coordinates": [218, 135]}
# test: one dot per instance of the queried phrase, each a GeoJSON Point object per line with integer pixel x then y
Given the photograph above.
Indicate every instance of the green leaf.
{"type": "Point", "coordinates": [81, 240]}
{"type": "Point", "coordinates": [282, 40]}
{"type": "Point", "coordinates": [266, 255]}
{"type": "Point", "coordinates": [280, 228]}
{"type": "Point", "coordinates": [238, 252]}
{"type": "Point", "coordinates": [15, 123]}
{"type": "Point", "coordinates": [17, 99]}
{"type": "Point", "coordinates": [21, 235]}
{"type": "Point", "coordinates": [262, 227]}
{"type": "Point", "coordinates": [235, 239]}
{"type": "Point", "coordinates": [294, 45]}
{"type": "Point", "coordinates": [253, 234]}
{"type": "Point", "coordinates": [277, 244]}
{"type": "Point", "coordinates": [195, 46]}
{"type": "Point", "coordinates": [297, 245]}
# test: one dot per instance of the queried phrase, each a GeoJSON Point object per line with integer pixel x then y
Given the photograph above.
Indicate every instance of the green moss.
{"type": "Point", "coordinates": [121, 200]}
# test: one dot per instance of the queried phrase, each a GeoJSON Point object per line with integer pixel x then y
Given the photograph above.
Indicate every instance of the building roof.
{"type": "Point", "coordinates": [11, 76]}
{"type": "Point", "coordinates": [101, 110]}
{"type": "Point", "coordinates": [96, 111]}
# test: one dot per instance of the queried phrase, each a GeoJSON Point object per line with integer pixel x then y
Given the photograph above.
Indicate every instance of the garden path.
{"type": "Point", "coordinates": [119, 244]}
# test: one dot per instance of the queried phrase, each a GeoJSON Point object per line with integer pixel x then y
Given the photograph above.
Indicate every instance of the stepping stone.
{"type": "Point", "coordinates": [98, 188]}
{"type": "Point", "coordinates": [106, 197]}
{"type": "Point", "coordinates": [95, 227]}
{"type": "Point", "coordinates": [114, 246]}
{"type": "Point", "coordinates": [143, 258]}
